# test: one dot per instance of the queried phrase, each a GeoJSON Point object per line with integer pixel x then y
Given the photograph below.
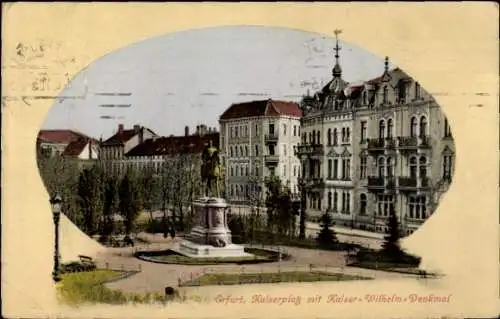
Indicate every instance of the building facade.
{"type": "Point", "coordinates": [257, 140]}
{"type": "Point", "coordinates": [374, 148]}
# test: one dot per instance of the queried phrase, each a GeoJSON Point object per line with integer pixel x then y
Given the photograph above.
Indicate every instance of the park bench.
{"type": "Point", "coordinates": [86, 260]}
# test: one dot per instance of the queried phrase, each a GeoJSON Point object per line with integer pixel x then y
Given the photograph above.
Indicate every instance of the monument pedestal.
{"type": "Point", "coordinates": [210, 236]}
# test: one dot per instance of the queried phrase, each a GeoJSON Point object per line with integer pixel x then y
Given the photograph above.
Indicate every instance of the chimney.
{"type": "Point", "coordinates": [209, 130]}
{"type": "Point", "coordinates": [120, 128]}
{"type": "Point", "coordinates": [197, 129]}
{"type": "Point", "coordinates": [137, 128]}
{"type": "Point", "coordinates": [186, 130]}
{"type": "Point", "coordinates": [203, 129]}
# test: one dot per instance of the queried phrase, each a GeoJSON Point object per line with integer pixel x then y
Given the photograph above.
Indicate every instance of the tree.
{"type": "Point", "coordinates": [166, 190]}
{"type": "Point", "coordinates": [110, 206]}
{"type": "Point", "coordinates": [90, 192]}
{"type": "Point", "coordinates": [60, 175]}
{"type": "Point", "coordinates": [130, 201]}
{"type": "Point", "coordinates": [148, 187]}
{"type": "Point", "coordinates": [326, 236]}
{"type": "Point", "coordinates": [390, 247]}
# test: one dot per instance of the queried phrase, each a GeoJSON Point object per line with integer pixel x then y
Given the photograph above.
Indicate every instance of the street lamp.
{"type": "Point", "coordinates": [55, 203]}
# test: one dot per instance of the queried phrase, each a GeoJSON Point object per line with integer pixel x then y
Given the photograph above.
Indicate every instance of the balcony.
{"type": "Point", "coordinates": [413, 142]}
{"type": "Point", "coordinates": [413, 183]}
{"type": "Point", "coordinates": [271, 160]}
{"type": "Point", "coordinates": [271, 137]}
{"type": "Point", "coordinates": [309, 150]}
{"type": "Point", "coordinates": [375, 182]}
{"type": "Point", "coordinates": [317, 182]}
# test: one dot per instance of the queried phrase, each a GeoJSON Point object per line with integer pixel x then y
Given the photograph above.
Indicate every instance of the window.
{"type": "Point", "coordinates": [329, 200]}
{"type": "Point", "coordinates": [271, 129]}
{"type": "Point", "coordinates": [284, 129]}
{"type": "Point", "coordinates": [363, 131]}
{"type": "Point", "coordinates": [329, 169]}
{"type": "Point", "coordinates": [335, 200]}
{"type": "Point", "coordinates": [284, 170]}
{"type": "Point", "coordinates": [381, 167]}
{"type": "Point", "coordinates": [236, 131]}
{"type": "Point", "coordinates": [362, 173]}
{"type": "Point", "coordinates": [241, 150]}
{"type": "Point", "coordinates": [343, 134]}
{"type": "Point", "coordinates": [313, 137]}
{"type": "Point", "coordinates": [402, 92]}
{"type": "Point", "coordinates": [284, 150]}
{"type": "Point", "coordinates": [385, 204]}
{"type": "Point", "coordinates": [318, 137]}
{"type": "Point", "coordinates": [246, 130]}
{"type": "Point", "coordinates": [413, 168]}
{"type": "Point", "coordinates": [271, 149]}
{"type": "Point", "coordinates": [257, 171]}
{"type": "Point", "coordinates": [389, 128]}
{"type": "Point", "coordinates": [344, 173]}
{"type": "Point", "coordinates": [386, 93]}
{"type": "Point", "coordinates": [417, 208]}
{"type": "Point", "coordinates": [413, 127]}
{"type": "Point", "coordinates": [256, 150]}
{"type": "Point", "coordinates": [246, 150]}
{"type": "Point", "coordinates": [232, 132]}
{"type": "Point", "coordinates": [423, 167]}
{"type": "Point", "coordinates": [423, 126]}
{"type": "Point", "coordinates": [242, 173]}
{"type": "Point", "coordinates": [335, 169]}
{"type": "Point", "coordinates": [348, 169]}
{"type": "Point", "coordinates": [381, 131]}
{"type": "Point", "coordinates": [246, 171]}
{"type": "Point", "coordinates": [447, 166]}
{"type": "Point", "coordinates": [417, 90]}
{"type": "Point", "coordinates": [304, 138]}
{"type": "Point", "coordinates": [335, 137]}
{"type": "Point", "coordinates": [329, 136]}
{"type": "Point", "coordinates": [447, 129]}
{"type": "Point", "coordinates": [231, 151]}
{"type": "Point", "coordinates": [390, 167]}
{"type": "Point", "coordinates": [362, 204]}
{"type": "Point", "coordinates": [365, 98]}
{"type": "Point", "coordinates": [295, 130]}
{"type": "Point", "coordinates": [343, 201]}
{"type": "Point", "coordinates": [256, 129]}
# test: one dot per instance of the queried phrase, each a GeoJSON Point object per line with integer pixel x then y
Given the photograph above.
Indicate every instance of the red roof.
{"type": "Point", "coordinates": [262, 108]}
{"type": "Point", "coordinates": [120, 137]}
{"type": "Point", "coordinates": [174, 145]}
{"type": "Point", "coordinates": [75, 148]}
{"type": "Point", "coordinates": [60, 136]}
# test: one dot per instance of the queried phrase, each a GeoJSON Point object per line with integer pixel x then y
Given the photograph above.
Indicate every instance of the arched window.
{"type": "Point", "coordinates": [329, 136]}
{"type": "Point", "coordinates": [335, 137]}
{"type": "Point", "coordinates": [423, 126]}
{"type": "Point", "coordinates": [343, 134]}
{"type": "Point", "coordinates": [330, 200]}
{"type": "Point", "coordinates": [318, 137]}
{"type": "Point", "coordinates": [389, 128]}
{"type": "Point", "coordinates": [241, 150]}
{"type": "Point", "coordinates": [386, 93]}
{"type": "Point", "coordinates": [246, 150]}
{"type": "Point", "coordinates": [348, 134]}
{"type": "Point", "coordinates": [256, 150]}
{"type": "Point", "coordinates": [423, 167]}
{"type": "Point", "coordinates": [390, 167]}
{"type": "Point", "coordinates": [304, 138]}
{"type": "Point", "coordinates": [381, 167]}
{"type": "Point", "coordinates": [413, 167]}
{"type": "Point", "coordinates": [232, 171]}
{"type": "Point", "coordinates": [231, 151]}
{"type": "Point", "coordinates": [413, 127]}
{"type": "Point", "coordinates": [381, 129]}
{"type": "Point", "coordinates": [313, 137]}
{"type": "Point", "coordinates": [310, 138]}
{"type": "Point", "coordinates": [362, 204]}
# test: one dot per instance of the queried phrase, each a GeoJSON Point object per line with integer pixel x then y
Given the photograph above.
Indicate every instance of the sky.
{"type": "Point", "coordinates": [191, 77]}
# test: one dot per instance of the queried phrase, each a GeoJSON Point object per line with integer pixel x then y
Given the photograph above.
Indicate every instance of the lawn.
{"type": "Point", "coordinates": [371, 259]}
{"type": "Point", "coordinates": [87, 287]}
{"type": "Point", "coordinates": [262, 278]}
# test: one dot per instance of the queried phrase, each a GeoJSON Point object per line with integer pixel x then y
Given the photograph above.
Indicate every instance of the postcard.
{"type": "Point", "coordinates": [288, 160]}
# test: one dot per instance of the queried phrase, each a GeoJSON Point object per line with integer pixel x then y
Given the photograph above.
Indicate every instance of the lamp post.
{"type": "Point", "coordinates": [302, 220]}
{"type": "Point", "coordinates": [55, 203]}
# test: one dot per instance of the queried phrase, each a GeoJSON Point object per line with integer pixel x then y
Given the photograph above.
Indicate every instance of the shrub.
{"type": "Point", "coordinates": [76, 266]}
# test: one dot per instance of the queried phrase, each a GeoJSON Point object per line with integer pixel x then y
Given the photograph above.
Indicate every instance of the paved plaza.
{"type": "Point", "coordinates": [154, 277]}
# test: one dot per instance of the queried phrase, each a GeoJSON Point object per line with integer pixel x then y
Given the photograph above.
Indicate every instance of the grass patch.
{"type": "Point", "coordinates": [172, 257]}
{"type": "Point", "coordinates": [264, 278]}
{"type": "Point", "coordinates": [88, 287]}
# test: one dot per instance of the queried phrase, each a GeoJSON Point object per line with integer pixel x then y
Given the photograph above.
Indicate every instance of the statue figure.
{"type": "Point", "coordinates": [211, 171]}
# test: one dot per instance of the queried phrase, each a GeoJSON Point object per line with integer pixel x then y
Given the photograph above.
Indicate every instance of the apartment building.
{"type": "Point", "coordinates": [257, 140]}
{"type": "Point", "coordinates": [372, 148]}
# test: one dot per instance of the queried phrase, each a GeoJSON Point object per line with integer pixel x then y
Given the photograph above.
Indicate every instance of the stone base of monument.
{"type": "Point", "coordinates": [210, 236]}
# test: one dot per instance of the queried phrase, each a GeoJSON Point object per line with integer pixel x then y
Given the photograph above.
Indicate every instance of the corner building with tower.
{"type": "Point", "coordinates": [372, 148]}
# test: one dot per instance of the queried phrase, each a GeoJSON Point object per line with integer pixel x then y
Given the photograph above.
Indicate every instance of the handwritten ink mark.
{"type": "Point", "coordinates": [113, 94]}
{"type": "Point", "coordinates": [482, 94]}
{"type": "Point", "coordinates": [476, 105]}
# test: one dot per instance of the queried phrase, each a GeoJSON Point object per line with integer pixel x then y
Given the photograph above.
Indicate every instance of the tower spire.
{"type": "Point", "coordinates": [337, 70]}
{"type": "Point", "coordinates": [386, 64]}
